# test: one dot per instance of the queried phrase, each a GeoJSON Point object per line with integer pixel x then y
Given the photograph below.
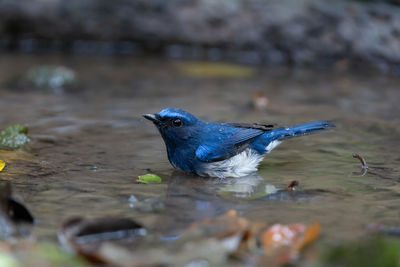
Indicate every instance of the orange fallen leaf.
{"type": "Point", "coordinates": [282, 243]}
{"type": "Point", "coordinates": [282, 235]}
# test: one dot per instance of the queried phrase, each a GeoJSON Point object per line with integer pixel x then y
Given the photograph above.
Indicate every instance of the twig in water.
{"type": "Point", "coordinates": [362, 160]}
{"type": "Point", "coordinates": [364, 164]}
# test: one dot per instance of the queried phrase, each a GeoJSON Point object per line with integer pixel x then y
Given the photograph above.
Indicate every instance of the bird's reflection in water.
{"type": "Point", "coordinates": [247, 187]}
{"type": "Point", "coordinates": [192, 198]}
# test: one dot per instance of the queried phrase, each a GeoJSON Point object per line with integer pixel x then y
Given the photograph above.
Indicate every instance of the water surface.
{"type": "Point", "coordinates": [90, 143]}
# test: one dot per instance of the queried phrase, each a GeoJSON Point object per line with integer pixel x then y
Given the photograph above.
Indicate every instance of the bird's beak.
{"type": "Point", "coordinates": [151, 117]}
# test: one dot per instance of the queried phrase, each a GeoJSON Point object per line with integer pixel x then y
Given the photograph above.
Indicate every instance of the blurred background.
{"type": "Point", "coordinates": [304, 33]}
{"type": "Point", "coordinates": [80, 73]}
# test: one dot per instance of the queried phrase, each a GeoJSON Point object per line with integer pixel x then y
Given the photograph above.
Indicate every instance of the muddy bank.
{"type": "Point", "coordinates": [325, 33]}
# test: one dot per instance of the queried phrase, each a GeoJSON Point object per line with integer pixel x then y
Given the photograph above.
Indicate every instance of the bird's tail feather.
{"type": "Point", "coordinates": [302, 129]}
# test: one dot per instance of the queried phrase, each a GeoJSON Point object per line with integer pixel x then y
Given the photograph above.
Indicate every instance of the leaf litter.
{"type": "Point", "coordinates": [215, 241]}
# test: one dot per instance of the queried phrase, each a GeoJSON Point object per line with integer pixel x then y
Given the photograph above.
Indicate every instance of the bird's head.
{"type": "Point", "coordinates": [175, 125]}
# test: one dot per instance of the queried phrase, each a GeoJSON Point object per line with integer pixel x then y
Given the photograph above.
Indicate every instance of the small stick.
{"type": "Point", "coordinates": [362, 160]}
{"type": "Point", "coordinates": [293, 184]}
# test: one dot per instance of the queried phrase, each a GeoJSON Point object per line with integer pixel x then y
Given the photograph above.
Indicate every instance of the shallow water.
{"type": "Point", "coordinates": [90, 143]}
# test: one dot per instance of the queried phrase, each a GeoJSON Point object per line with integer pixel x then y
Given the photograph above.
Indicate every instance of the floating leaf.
{"type": "Point", "coordinates": [216, 70]}
{"type": "Point", "coordinates": [14, 137]}
{"type": "Point", "coordinates": [2, 165]}
{"type": "Point", "coordinates": [149, 178]}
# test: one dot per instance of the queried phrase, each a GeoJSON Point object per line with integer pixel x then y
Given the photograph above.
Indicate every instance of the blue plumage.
{"type": "Point", "coordinates": [221, 149]}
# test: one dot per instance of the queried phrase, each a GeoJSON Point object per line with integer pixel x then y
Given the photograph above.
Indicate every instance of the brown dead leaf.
{"type": "Point", "coordinates": [282, 243]}
{"type": "Point", "coordinates": [260, 101]}
{"type": "Point", "coordinates": [281, 235]}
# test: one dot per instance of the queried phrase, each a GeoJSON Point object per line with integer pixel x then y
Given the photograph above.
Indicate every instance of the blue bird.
{"type": "Point", "coordinates": [221, 149]}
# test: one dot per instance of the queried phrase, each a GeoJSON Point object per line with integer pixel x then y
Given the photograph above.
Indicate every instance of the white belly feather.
{"type": "Point", "coordinates": [239, 165]}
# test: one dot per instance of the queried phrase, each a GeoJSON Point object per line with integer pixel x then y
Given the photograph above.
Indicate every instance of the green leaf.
{"type": "Point", "coordinates": [14, 137]}
{"type": "Point", "coordinates": [149, 178]}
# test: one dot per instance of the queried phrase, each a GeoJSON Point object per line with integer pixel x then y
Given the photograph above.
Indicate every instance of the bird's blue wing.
{"type": "Point", "coordinates": [216, 150]}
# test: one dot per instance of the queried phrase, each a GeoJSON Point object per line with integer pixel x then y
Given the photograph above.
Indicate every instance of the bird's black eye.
{"type": "Point", "coordinates": [177, 122]}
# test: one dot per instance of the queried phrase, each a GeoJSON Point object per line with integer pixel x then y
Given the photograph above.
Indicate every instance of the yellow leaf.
{"type": "Point", "coordinates": [2, 165]}
{"type": "Point", "coordinates": [216, 70]}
